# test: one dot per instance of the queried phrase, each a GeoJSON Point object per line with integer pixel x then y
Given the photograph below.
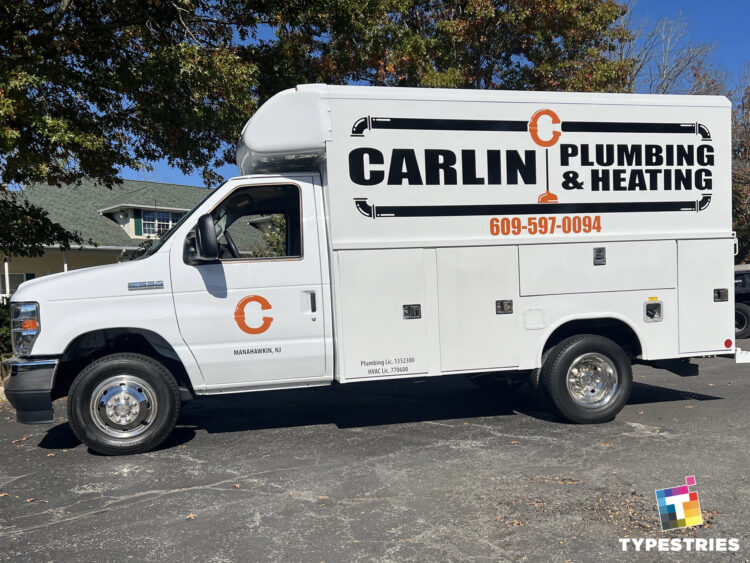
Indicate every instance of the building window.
{"type": "Point", "coordinates": [157, 223]}
{"type": "Point", "coordinates": [162, 222]}
{"type": "Point", "coordinates": [149, 222]}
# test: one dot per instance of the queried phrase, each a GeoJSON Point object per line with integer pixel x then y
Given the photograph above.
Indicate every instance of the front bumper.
{"type": "Point", "coordinates": [28, 387]}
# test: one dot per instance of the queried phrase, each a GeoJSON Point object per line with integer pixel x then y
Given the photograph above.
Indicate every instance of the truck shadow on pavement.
{"type": "Point", "coordinates": [363, 405]}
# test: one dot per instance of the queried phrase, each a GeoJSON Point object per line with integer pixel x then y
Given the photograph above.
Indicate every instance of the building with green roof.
{"type": "Point", "coordinates": [114, 223]}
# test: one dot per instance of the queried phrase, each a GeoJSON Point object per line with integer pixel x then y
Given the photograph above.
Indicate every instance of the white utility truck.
{"type": "Point", "coordinates": [380, 233]}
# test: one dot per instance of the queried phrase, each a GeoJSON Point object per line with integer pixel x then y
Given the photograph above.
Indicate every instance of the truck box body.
{"type": "Point", "coordinates": [440, 198]}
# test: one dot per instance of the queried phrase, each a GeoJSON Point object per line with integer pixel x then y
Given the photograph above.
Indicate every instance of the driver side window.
{"type": "Point", "coordinates": [259, 222]}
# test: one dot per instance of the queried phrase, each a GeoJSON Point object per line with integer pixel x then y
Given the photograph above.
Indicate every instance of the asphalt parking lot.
{"type": "Point", "coordinates": [433, 470]}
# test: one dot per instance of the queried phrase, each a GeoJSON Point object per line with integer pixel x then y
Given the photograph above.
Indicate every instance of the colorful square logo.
{"type": "Point", "coordinates": [678, 506]}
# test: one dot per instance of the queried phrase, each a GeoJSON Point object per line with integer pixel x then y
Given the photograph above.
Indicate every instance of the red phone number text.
{"type": "Point", "coordinates": [546, 225]}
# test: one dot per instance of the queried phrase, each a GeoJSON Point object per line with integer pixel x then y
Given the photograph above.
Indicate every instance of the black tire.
{"type": "Point", "coordinates": [137, 387]}
{"type": "Point", "coordinates": [591, 397]}
{"type": "Point", "coordinates": [741, 320]}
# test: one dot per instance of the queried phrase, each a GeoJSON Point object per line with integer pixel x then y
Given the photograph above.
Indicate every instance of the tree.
{"type": "Point", "coordinates": [87, 88]}
{"type": "Point", "coordinates": [6, 348]}
{"type": "Point", "coordinates": [664, 58]}
{"type": "Point", "coordinates": [511, 44]}
{"type": "Point", "coordinates": [741, 122]}
{"type": "Point", "coordinates": [274, 238]}
{"type": "Point", "coordinates": [25, 229]}
{"type": "Point", "coordinates": [741, 211]}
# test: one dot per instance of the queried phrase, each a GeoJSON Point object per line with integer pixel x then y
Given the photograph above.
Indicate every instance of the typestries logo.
{"type": "Point", "coordinates": [679, 508]}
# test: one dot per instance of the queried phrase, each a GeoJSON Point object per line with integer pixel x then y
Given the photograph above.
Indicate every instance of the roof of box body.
{"type": "Point", "coordinates": [290, 130]}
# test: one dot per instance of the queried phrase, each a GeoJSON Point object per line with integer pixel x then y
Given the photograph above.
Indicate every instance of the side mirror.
{"type": "Point", "coordinates": [206, 245]}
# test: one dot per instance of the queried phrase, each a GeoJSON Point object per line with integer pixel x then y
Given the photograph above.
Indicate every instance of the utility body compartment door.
{"type": "Point", "coordinates": [377, 336]}
{"type": "Point", "coordinates": [476, 330]}
{"type": "Point", "coordinates": [705, 265]}
{"type": "Point", "coordinates": [590, 267]}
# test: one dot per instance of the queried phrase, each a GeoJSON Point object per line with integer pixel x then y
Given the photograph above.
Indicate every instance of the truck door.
{"type": "Point", "coordinates": [253, 317]}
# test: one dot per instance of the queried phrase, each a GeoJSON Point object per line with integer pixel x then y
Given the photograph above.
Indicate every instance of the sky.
{"type": "Point", "coordinates": [724, 22]}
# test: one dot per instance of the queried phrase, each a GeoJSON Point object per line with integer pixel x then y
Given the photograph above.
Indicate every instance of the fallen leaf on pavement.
{"type": "Point", "coordinates": [236, 486]}
{"type": "Point", "coordinates": [3, 494]}
{"type": "Point", "coordinates": [51, 455]}
{"type": "Point", "coordinates": [32, 499]}
{"type": "Point", "coordinates": [514, 442]}
{"type": "Point", "coordinates": [190, 516]}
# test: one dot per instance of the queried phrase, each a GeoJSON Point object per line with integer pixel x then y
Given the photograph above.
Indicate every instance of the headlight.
{"type": "Point", "coordinates": [24, 327]}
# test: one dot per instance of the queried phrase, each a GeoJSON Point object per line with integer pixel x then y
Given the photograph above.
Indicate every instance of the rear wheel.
{"type": "Point", "coordinates": [741, 320]}
{"type": "Point", "coordinates": [587, 378]}
{"type": "Point", "coordinates": [123, 404]}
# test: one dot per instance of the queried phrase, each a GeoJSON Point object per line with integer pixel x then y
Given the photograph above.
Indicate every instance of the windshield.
{"type": "Point", "coordinates": [160, 242]}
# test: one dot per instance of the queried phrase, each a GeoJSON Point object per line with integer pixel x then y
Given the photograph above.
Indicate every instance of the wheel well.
{"type": "Point", "coordinates": [614, 329]}
{"type": "Point", "coordinates": [93, 345]}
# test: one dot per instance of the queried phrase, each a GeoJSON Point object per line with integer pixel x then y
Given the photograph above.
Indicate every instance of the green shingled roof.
{"type": "Point", "coordinates": [77, 208]}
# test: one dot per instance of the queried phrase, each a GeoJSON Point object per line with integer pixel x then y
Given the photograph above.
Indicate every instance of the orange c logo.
{"type": "Point", "coordinates": [239, 314]}
{"type": "Point", "coordinates": [534, 128]}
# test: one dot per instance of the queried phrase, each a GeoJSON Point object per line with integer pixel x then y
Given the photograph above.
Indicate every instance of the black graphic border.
{"type": "Point", "coordinates": [375, 211]}
{"type": "Point", "coordinates": [428, 124]}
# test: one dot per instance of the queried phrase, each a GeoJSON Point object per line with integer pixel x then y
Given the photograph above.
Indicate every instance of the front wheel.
{"type": "Point", "coordinates": [123, 404]}
{"type": "Point", "coordinates": [587, 378]}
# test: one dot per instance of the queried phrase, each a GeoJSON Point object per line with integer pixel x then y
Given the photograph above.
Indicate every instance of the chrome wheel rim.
{"type": "Point", "coordinates": [740, 321]}
{"type": "Point", "coordinates": [592, 380]}
{"type": "Point", "coordinates": [123, 406]}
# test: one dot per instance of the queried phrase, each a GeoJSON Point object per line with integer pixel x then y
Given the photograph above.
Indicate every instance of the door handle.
{"type": "Point", "coordinates": [313, 306]}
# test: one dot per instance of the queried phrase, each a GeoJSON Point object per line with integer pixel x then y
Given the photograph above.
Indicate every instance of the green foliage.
{"type": "Point", "coordinates": [5, 346]}
{"type": "Point", "coordinates": [87, 88]}
{"type": "Point", "coordinates": [274, 237]}
{"type": "Point", "coordinates": [25, 228]}
{"type": "Point", "coordinates": [509, 44]}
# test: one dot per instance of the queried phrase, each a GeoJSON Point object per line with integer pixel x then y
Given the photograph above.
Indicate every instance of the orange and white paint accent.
{"type": "Point", "coordinates": [239, 314]}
